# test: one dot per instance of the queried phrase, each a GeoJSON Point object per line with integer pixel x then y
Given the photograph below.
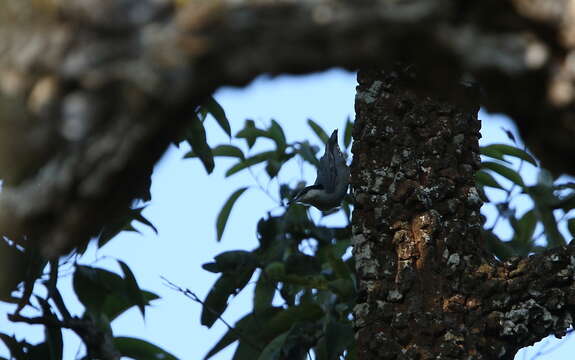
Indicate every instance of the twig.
{"type": "Point", "coordinates": [53, 293]}
{"type": "Point", "coordinates": [40, 320]}
{"type": "Point", "coordinates": [260, 186]}
{"type": "Point", "coordinates": [191, 295]}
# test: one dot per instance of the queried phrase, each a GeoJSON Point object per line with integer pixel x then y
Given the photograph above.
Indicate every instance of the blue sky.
{"type": "Point", "coordinates": [186, 201]}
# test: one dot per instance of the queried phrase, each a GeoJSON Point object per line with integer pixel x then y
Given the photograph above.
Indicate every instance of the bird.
{"type": "Point", "coordinates": [332, 180]}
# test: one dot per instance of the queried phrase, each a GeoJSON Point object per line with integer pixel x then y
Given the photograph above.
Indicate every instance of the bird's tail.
{"type": "Point", "coordinates": [332, 143]}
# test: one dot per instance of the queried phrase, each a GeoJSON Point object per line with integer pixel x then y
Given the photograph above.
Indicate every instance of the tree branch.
{"type": "Point", "coordinates": [191, 295]}
{"type": "Point", "coordinates": [93, 94]}
{"type": "Point", "coordinates": [99, 343]}
{"type": "Point", "coordinates": [535, 297]}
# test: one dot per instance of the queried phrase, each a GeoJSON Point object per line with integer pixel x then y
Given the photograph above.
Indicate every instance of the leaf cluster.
{"type": "Point", "coordinates": [304, 287]}
{"type": "Point", "coordinates": [537, 215]}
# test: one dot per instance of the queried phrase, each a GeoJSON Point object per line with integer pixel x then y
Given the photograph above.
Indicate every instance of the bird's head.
{"type": "Point", "coordinates": [308, 195]}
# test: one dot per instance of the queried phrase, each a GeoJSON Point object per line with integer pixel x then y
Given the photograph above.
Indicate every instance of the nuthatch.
{"type": "Point", "coordinates": [332, 179]}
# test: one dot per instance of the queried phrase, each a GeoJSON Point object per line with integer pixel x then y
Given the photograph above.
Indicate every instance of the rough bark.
{"type": "Point", "coordinates": [427, 287]}
{"type": "Point", "coordinates": [92, 92]}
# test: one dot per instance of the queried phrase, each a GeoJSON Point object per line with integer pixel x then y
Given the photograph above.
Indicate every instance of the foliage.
{"type": "Point", "coordinates": [526, 209]}
{"type": "Point", "coordinates": [305, 287]}
{"type": "Point", "coordinates": [304, 277]}
{"type": "Point", "coordinates": [302, 265]}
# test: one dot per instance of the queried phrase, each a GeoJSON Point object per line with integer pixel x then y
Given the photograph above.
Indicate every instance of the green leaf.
{"type": "Point", "coordinates": [571, 226]}
{"type": "Point", "coordinates": [504, 171]}
{"type": "Point", "coordinates": [116, 305]}
{"type": "Point", "coordinates": [273, 350]}
{"type": "Point", "coordinates": [256, 159]}
{"type": "Point", "coordinates": [197, 140]}
{"type": "Point", "coordinates": [567, 203]}
{"type": "Point", "coordinates": [545, 200]}
{"type": "Point", "coordinates": [273, 167]}
{"type": "Point", "coordinates": [264, 292]}
{"type": "Point", "coordinates": [226, 210]}
{"type": "Point", "coordinates": [310, 281]}
{"type": "Point", "coordinates": [250, 132]}
{"type": "Point", "coordinates": [247, 328]}
{"type": "Point", "coordinates": [545, 178]}
{"type": "Point", "coordinates": [219, 114]}
{"type": "Point", "coordinates": [283, 320]}
{"type": "Point", "coordinates": [245, 350]}
{"type": "Point", "coordinates": [284, 192]}
{"type": "Point", "coordinates": [139, 217]}
{"type": "Point", "coordinates": [503, 149]}
{"type": "Point", "coordinates": [231, 261]}
{"type": "Point", "coordinates": [90, 288]}
{"type": "Point", "coordinates": [132, 288]}
{"type": "Point", "coordinates": [230, 283]}
{"type": "Point", "coordinates": [341, 246]}
{"type": "Point", "coordinates": [220, 150]}
{"type": "Point", "coordinates": [544, 195]}
{"type": "Point", "coordinates": [275, 270]}
{"type": "Point", "coordinates": [347, 133]}
{"type": "Point", "coordinates": [501, 249]}
{"type": "Point", "coordinates": [216, 301]}
{"type": "Point", "coordinates": [140, 349]}
{"type": "Point", "coordinates": [123, 223]}
{"type": "Point", "coordinates": [338, 337]}
{"type": "Point", "coordinates": [102, 291]}
{"type": "Point", "coordinates": [342, 287]}
{"type": "Point", "coordinates": [552, 233]}
{"type": "Point", "coordinates": [321, 134]}
{"type": "Point", "coordinates": [268, 231]}
{"type": "Point", "coordinates": [112, 230]}
{"type": "Point", "coordinates": [351, 353]}
{"type": "Point", "coordinates": [307, 152]}
{"type": "Point", "coordinates": [276, 133]}
{"type": "Point", "coordinates": [524, 229]}
{"type": "Point", "coordinates": [492, 153]}
{"type": "Point", "coordinates": [302, 264]}
{"type": "Point", "coordinates": [230, 337]}
{"type": "Point", "coordinates": [484, 178]}
{"type": "Point", "coordinates": [338, 265]}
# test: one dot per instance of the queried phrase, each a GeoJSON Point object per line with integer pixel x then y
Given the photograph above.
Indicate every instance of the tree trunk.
{"type": "Point", "coordinates": [427, 287]}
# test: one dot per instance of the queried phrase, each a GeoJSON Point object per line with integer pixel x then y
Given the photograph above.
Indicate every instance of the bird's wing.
{"type": "Point", "coordinates": [326, 173]}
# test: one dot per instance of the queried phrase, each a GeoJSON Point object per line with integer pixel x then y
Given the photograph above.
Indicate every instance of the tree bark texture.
{"type": "Point", "coordinates": [427, 287]}
{"type": "Point", "coordinates": [93, 91]}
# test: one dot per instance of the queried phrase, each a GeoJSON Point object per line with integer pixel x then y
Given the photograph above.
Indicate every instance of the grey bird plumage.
{"type": "Point", "coordinates": [332, 179]}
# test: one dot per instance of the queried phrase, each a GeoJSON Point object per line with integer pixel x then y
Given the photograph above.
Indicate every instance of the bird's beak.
{"type": "Point", "coordinates": [294, 200]}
